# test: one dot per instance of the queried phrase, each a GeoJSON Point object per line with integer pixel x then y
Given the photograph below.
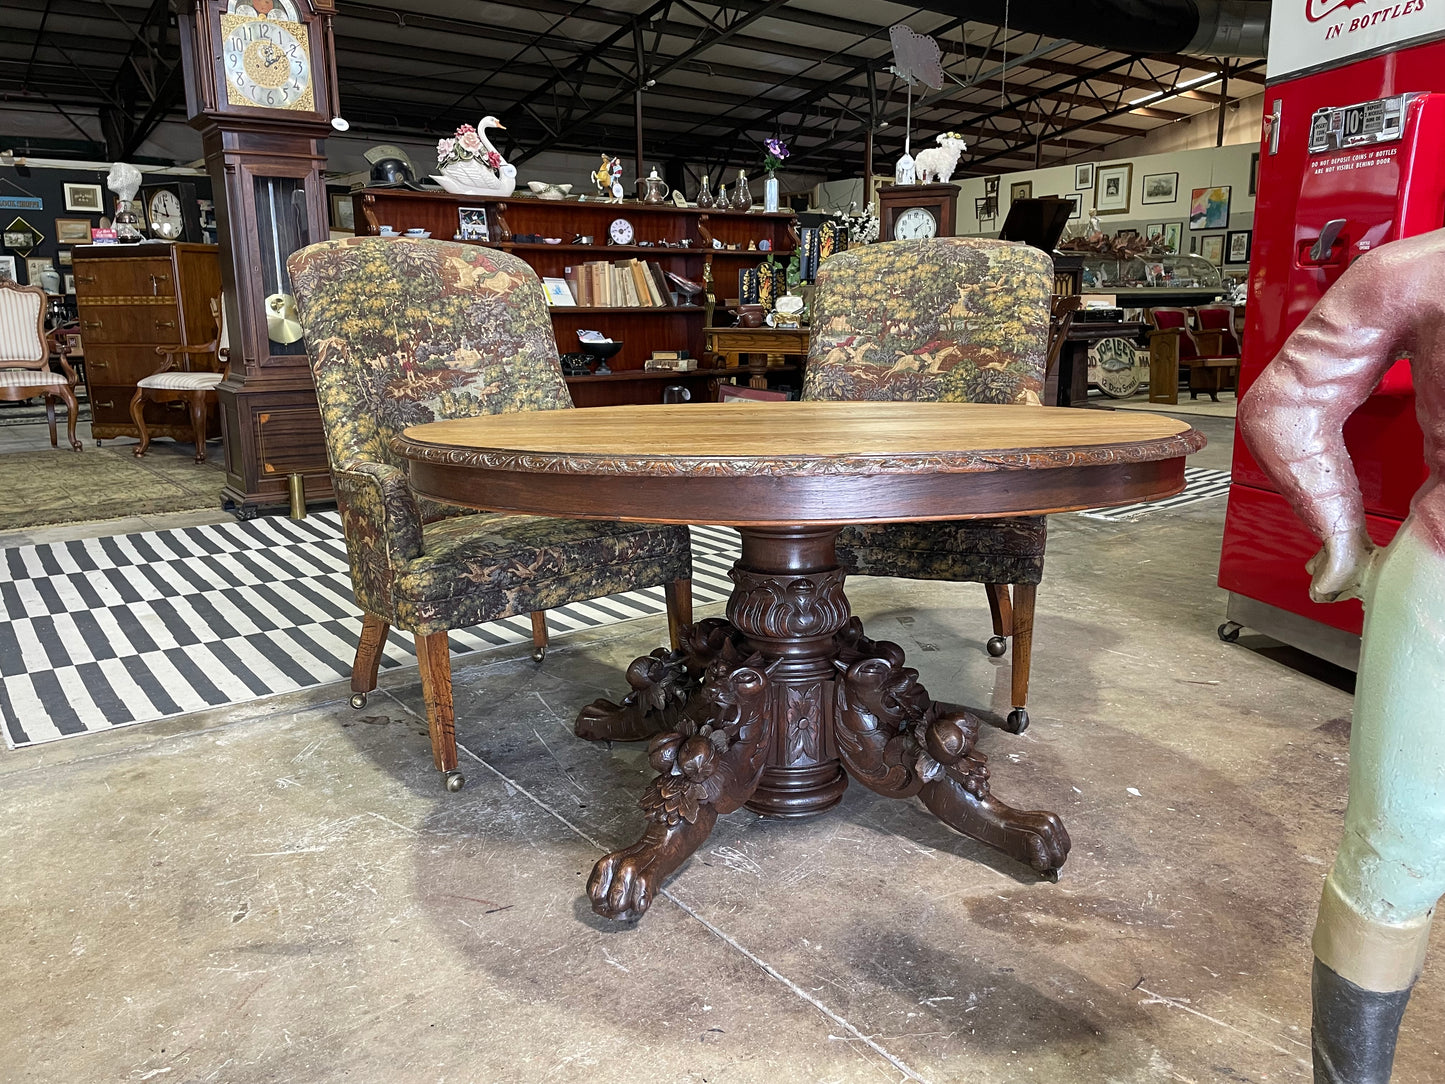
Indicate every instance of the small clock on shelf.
{"type": "Point", "coordinates": [911, 211]}
{"type": "Point", "coordinates": [620, 232]}
{"type": "Point", "coordinates": [173, 211]}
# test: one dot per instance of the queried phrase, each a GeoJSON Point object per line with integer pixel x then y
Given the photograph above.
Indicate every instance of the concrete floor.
{"type": "Point", "coordinates": [283, 892]}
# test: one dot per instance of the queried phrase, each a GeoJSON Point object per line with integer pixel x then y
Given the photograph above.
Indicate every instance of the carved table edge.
{"type": "Point", "coordinates": [793, 466]}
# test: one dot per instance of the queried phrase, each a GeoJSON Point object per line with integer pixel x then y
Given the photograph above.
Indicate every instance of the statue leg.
{"type": "Point", "coordinates": [897, 741]}
{"type": "Point", "coordinates": [1374, 917]}
{"type": "Point", "coordinates": [662, 684]}
{"type": "Point", "coordinates": [709, 764]}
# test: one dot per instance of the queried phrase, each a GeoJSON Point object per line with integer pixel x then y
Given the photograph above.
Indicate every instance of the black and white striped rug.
{"type": "Point", "coordinates": [105, 632]}
{"type": "Point", "coordinates": [1200, 484]}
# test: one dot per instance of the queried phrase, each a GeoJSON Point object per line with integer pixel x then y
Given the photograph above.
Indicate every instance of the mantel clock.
{"type": "Point", "coordinates": [908, 212]}
{"type": "Point", "coordinates": [261, 89]}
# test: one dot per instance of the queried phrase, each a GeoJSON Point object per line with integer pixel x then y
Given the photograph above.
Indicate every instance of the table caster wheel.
{"type": "Point", "coordinates": [454, 781]}
{"type": "Point", "coordinates": [1229, 631]}
{"type": "Point", "coordinates": [358, 700]}
{"type": "Point", "coordinates": [539, 653]}
{"type": "Point", "coordinates": [996, 646]}
{"type": "Point", "coordinates": [1018, 721]}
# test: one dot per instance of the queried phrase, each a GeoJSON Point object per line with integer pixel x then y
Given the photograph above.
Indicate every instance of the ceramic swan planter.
{"type": "Point", "coordinates": [463, 163]}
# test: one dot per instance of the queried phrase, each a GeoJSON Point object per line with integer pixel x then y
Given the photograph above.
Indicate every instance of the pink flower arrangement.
{"type": "Point", "coordinates": [466, 146]}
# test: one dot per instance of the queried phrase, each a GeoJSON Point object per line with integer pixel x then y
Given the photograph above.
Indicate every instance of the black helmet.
{"type": "Point", "coordinates": [390, 167]}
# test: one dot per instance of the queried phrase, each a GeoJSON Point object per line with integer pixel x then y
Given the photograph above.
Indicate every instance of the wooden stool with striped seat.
{"type": "Point", "coordinates": [176, 381]}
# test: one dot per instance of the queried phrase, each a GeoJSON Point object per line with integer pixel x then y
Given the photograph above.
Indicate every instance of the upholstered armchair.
{"type": "Point", "coordinates": [404, 332]}
{"type": "Point", "coordinates": [947, 319]}
{"type": "Point", "coordinates": [25, 357]}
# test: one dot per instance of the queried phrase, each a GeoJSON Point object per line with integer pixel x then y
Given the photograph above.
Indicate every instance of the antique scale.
{"type": "Point", "coordinates": [261, 89]}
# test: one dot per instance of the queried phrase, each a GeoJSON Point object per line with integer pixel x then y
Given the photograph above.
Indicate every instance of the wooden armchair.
{"type": "Point", "coordinates": [402, 332]}
{"type": "Point", "coordinates": [25, 351]}
{"type": "Point", "coordinates": [947, 319]}
{"type": "Point", "coordinates": [1174, 346]}
{"type": "Point", "coordinates": [178, 380]}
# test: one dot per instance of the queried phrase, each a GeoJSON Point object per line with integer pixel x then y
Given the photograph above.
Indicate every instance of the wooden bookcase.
{"type": "Point", "coordinates": [641, 330]}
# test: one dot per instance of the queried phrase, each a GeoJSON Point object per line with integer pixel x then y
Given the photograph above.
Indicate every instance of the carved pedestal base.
{"type": "Point", "coordinates": [775, 708]}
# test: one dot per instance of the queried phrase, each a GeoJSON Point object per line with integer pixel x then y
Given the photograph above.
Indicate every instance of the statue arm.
{"type": "Point", "coordinates": [1293, 416]}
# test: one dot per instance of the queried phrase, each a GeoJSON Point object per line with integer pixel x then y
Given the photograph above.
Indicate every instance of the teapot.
{"type": "Point", "coordinates": [657, 189]}
{"type": "Point", "coordinates": [749, 315]}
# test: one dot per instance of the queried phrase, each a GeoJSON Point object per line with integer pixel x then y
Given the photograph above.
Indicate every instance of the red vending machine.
{"type": "Point", "coordinates": [1353, 155]}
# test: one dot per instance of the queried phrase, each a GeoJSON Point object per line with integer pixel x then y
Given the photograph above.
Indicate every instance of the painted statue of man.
{"type": "Point", "coordinates": [1374, 918]}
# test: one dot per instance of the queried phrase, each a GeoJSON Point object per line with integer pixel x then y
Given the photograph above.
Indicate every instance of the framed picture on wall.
{"type": "Point", "coordinates": [72, 231]}
{"type": "Point", "coordinates": [1084, 177]}
{"type": "Point", "coordinates": [66, 257]}
{"type": "Point", "coordinates": [1111, 194]}
{"type": "Point", "coordinates": [1076, 204]}
{"type": "Point", "coordinates": [1126, 233]}
{"type": "Point", "coordinates": [7, 268]}
{"type": "Point", "coordinates": [85, 197]}
{"type": "Point", "coordinates": [1237, 248]}
{"type": "Point", "coordinates": [1212, 248]}
{"type": "Point", "coordinates": [1173, 235]}
{"type": "Point", "coordinates": [343, 213]}
{"type": "Point", "coordinates": [35, 266]}
{"type": "Point", "coordinates": [1020, 190]}
{"type": "Point", "coordinates": [69, 283]}
{"type": "Point", "coordinates": [1209, 208]}
{"type": "Point", "coordinates": [1160, 188]}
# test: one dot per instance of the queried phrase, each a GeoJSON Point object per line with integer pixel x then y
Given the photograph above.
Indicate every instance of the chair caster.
{"type": "Point", "coordinates": [1229, 631]}
{"type": "Point", "coordinates": [996, 646]}
{"type": "Point", "coordinates": [539, 653]}
{"type": "Point", "coordinates": [358, 700]}
{"type": "Point", "coordinates": [454, 781]}
{"type": "Point", "coordinates": [1018, 721]}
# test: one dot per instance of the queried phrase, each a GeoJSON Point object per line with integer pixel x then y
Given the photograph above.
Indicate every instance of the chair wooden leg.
{"type": "Point", "coordinates": [679, 609]}
{"type": "Point", "coordinates": [1023, 638]}
{"type": "Point", "coordinates": [539, 635]}
{"type": "Point", "coordinates": [71, 409]}
{"type": "Point", "coordinates": [198, 423]}
{"type": "Point", "coordinates": [368, 657]}
{"type": "Point", "coordinates": [137, 415]}
{"type": "Point", "coordinates": [50, 417]}
{"type": "Point", "coordinates": [434, 657]}
{"type": "Point", "coordinates": [1001, 610]}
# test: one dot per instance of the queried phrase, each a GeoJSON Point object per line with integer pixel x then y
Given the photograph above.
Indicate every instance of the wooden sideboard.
{"type": "Point", "coordinates": [132, 299]}
{"type": "Point", "coordinates": [641, 329]}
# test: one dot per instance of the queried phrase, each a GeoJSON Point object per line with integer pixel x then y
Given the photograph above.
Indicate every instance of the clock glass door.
{"type": "Point", "coordinates": [281, 229]}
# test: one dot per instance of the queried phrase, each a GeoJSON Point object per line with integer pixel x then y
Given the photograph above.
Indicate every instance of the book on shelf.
{"type": "Point", "coordinates": [558, 292]}
{"type": "Point", "coordinates": [624, 284]}
{"type": "Point", "coordinates": [672, 361]}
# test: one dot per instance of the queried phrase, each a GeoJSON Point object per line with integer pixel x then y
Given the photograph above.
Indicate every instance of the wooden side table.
{"type": "Point", "coordinates": [739, 347]}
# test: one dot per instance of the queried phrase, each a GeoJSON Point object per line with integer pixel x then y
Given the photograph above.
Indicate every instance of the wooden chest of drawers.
{"type": "Point", "coordinates": [132, 299]}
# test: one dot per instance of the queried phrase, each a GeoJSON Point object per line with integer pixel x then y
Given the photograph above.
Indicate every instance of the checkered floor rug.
{"type": "Point", "coordinates": [105, 632]}
{"type": "Point", "coordinates": [1200, 485]}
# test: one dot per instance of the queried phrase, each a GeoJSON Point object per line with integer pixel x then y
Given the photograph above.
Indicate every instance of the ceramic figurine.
{"type": "Point", "coordinates": [1374, 917]}
{"type": "Point", "coordinates": [742, 194]}
{"type": "Point", "coordinates": [936, 164]}
{"type": "Point", "coordinates": [470, 166]}
{"type": "Point", "coordinates": [608, 178]}
{"type": "Point", "coordinates": [704, 193]}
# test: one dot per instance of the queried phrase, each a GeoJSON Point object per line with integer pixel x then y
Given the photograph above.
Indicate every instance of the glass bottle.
{"type": "Point", "coordinates": [742, 194]}
{"type": "Point", "coordinates": [704, 193]}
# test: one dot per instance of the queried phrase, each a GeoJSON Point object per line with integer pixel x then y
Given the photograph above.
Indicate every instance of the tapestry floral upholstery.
{"type": "Point", "coordinates": [948, 319]}
{"type": "Point", "coordinates": [402, 332]}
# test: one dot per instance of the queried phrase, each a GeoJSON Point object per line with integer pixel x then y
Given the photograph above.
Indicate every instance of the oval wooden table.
{"type": "Point", "coordinates": [777, 706]}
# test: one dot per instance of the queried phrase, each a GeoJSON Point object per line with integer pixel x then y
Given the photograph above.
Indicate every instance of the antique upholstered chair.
{"type": "Point", "coordinates": [404, 332]}
{"type": "Point", "coordinates": [945, 319]}
{"type": "Point", "coordinates": [180, 380]}
{"type": "Point", "coordinates": [25, 357]}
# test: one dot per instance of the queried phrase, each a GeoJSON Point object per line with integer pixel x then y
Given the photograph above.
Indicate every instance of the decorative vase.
{"type": "Point", "coordinates": [742, 193]}
{"type": "Point", "coordinates": [468, 177]}
{"type": "Point", "coordinates": [704, 193]}
{"type": "Point", "coordinates": [770, 193]}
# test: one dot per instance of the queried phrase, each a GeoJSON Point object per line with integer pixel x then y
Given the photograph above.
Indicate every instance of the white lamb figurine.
{"type": "Point", "coordinates": [936, 164]}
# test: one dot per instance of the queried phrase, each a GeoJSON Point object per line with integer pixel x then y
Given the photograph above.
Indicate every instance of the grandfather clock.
{"type": "Point", "coordinates": [261, 89]}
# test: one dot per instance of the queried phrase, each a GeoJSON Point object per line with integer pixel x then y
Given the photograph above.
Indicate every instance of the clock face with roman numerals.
{"type": "Point", "coordinates": [267, 62]}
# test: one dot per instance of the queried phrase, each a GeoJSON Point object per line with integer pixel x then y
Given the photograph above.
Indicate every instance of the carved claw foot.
{"type": "Point", "coordinates": [709, 764]}
{"type": "Point", "coordinates": [895, 740]}
{"type": "Point", "coordinates": [662, 683]}
{"type": "Point", "coordinates": [623, 884]}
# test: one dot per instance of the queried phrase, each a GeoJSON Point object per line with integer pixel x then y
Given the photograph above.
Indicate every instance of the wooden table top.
{"type": "Point", "coordinates": [746, 463]}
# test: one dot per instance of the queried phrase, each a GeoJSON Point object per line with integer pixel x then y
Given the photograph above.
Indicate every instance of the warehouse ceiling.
{"type": "Point", "coordinates": [716, 79]}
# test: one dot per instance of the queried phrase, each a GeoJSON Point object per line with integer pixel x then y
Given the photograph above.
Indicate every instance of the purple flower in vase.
{"type": "Point", "coordinates": [777, 151]}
